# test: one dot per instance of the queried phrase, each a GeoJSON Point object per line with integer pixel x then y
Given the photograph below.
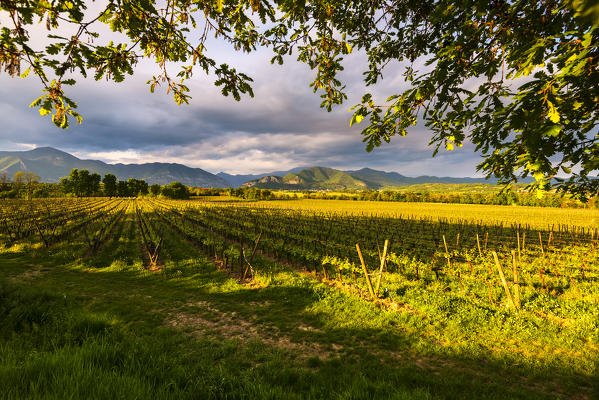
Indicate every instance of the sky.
{"type": "Point", "coordinates": [282, 127]}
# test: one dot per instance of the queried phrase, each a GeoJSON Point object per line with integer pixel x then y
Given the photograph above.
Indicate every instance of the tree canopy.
{"type": "Point", "coordinates": [518, 79]}
{"type": "Point", "coordinates": [28, 180]}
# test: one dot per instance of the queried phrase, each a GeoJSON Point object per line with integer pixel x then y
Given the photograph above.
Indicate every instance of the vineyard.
{"type": "Point", "coordinates": [303, 300]}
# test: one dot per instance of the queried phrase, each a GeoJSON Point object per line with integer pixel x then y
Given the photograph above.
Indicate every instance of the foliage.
{"type": "Point", "coordinates": [109, 182]}
{"type": "Point", "coordinates": [10, 190]}
{"type": "Point", "coordinates": [27, 180]}
{"type": "Point", "coordinates": [175, 190]}
{"type": "Point", "coordinates": [155, 189]}
{"type": "Point", "coordinates": [158, 31]}
{"type": "Point", "coordinates": [137, 187]}
{"type": "Point", "coordinates": [456, 195]}
{"type": "Point", "coordinates": [122, 189]}
{"type": "Point", "coordinates": [81, 183]}
{"type": "Point", "coordinates": [131, 188]}
{"type": "Point", "coordinates": [249, 193]}
{"type": "Point", "coordinates": [517, 79]}
{"type": "Point", "coordinates": [4, 180]}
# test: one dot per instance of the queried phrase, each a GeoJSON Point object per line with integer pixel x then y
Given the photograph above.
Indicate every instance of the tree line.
{"type": "Point", "coordinates": [82, 183]}
{"type": "Point", "coordinates": [417, 196]}
{"type": "Point", "coordinates": [498, 198]}
{"type": "Point", "coordinates": [24, 184]}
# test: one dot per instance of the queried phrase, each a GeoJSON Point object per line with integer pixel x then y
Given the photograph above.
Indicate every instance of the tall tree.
{"type": "Point", "coordinates": [137, 186]}
{"type": "Point", "coordinates": [109, 185]}
{"type": "Point", "coordinates": [175, 190]}
{"type": "Point", "coordinates": [93, 184]}
{"type": "Point", "coordinates": [519, 79]}
{"type": "Point", "coordinates": [74, 182]}
{"type": "Point", "coordinates": [5, 181]}
{"type": "Point", "coordinates": [82, 183]}
{"type": "Point", "coordinates": [155, 189]}
{"type": "Point", "coordinates": [122, 189]}
{"type": "Point", "coordinates": [26, 180]}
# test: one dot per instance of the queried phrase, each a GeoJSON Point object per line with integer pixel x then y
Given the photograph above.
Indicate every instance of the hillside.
{"type": "Point", "coordinates": [240, 179]}
{"type": "Point", "coordinates": [324, 178]}
{"type": "Point", "coordinates": [52, 164]}
{"type": "Point", "coordinates": [380, 179]}
{"type": "Point", "coordinates": [321, 178]}
{"type": "Point", "coordinates": [315, 178]}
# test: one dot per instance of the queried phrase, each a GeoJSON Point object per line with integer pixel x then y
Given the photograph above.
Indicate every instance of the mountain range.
{"type": "Point", "coordinates": [322, 178]}
{"type": "Point", "coordinates": [238, 180]}
{"type": "Point", "coordinates": [52, 164]}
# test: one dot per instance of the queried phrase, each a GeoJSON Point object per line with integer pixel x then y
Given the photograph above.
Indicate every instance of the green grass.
{"type": "Point", "coordinates": [104, 327]}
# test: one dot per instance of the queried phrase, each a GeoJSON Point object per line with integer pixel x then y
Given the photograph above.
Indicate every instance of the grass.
{"type": "Point", "coordinates": [104, 327]}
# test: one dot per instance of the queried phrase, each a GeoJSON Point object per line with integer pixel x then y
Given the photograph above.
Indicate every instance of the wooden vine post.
{"type": "Point", "coordinates": [541, 243]}
{"type": "Point", "coordinates": [447, 253]}
{"type": "Point", "coordinates": [370, 289]}
{"type": "Point", "coordinates": [249, 262]}
{"type": "Point", "coordinates": [519, 252]}
{"type": "Point", "coordinates": [516, 280]}
{"type": "Point", "coordinates": [504, 282]}
{"type": "Point", "coordinates": [383, 262]}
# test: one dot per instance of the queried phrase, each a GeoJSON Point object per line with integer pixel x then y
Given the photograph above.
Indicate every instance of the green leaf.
{"type": "Point", "coordinates": [553, 130]}
{"type": "Point", "coordinates": [539, 193]}
{"type": "Point", "coordinates": [552, 114]}
{"type": "Point", "coordinates": [36, 102]}
{"type": "Point", "coordinates": [356, 119]}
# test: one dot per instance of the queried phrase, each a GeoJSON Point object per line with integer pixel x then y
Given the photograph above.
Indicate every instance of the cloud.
{"type": "Point", "coordinates": [282, 127]}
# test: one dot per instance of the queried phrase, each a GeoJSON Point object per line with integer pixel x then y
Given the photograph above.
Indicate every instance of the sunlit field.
{"type": "Point", "coordinates": [155, 298]}
{"type": "Point", "coordinates": [538, 217]}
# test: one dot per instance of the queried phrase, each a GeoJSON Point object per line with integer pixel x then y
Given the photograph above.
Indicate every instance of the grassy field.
{"type": "Point", "coordinates": [81, 320]}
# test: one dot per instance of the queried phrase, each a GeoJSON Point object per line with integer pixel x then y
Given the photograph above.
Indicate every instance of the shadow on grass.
{"type": "Point", "coordinates": [331, 355]}
{"type": "Point", "coordinates": [107, 336]}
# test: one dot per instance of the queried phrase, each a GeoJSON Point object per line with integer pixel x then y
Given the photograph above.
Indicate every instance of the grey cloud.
{"type": "Point", "coordinates": [282, 127]}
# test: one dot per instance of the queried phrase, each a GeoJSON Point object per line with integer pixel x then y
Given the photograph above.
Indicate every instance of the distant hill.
{"type": "Point", "coordinates": [321, 178]}
{"type": "Point", "coordinates": [315, 178]}
{"type": "Point", "coordinates": [324, 178]}
{"type": "Point", "coordinates": [52, 164]}
{"type": "Point", "coordinates": [238, 180]}
{"type": "Point", "coordinates": [379, 179]}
